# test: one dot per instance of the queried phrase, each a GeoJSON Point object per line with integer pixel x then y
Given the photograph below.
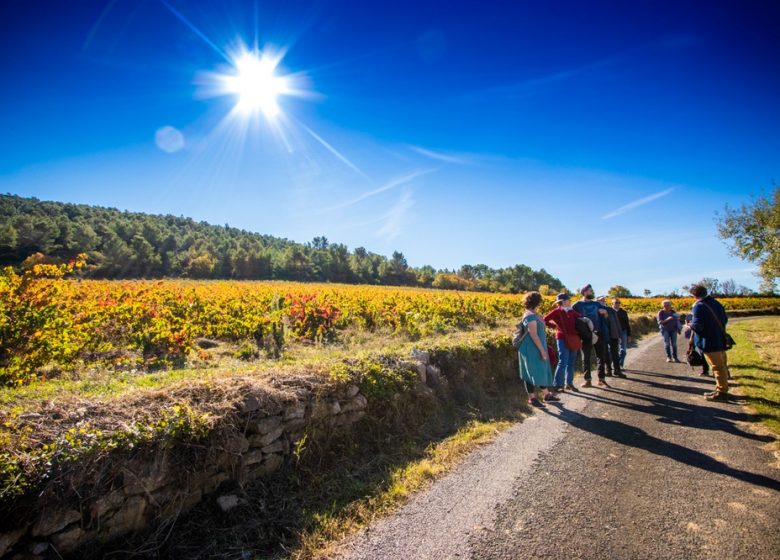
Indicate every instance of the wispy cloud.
{"type": "Point", "coordinates": [531, 85]}
{"type": "Point", "coordinates": [395, 217]}
{"type": "Point", "coordinates": [636, 204]}
{"type": "Point", "coordinates": [439, 156]}
{"type": "Point", "coordinates": [392, 184]}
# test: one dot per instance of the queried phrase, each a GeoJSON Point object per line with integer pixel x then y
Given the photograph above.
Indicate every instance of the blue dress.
{"type": "Point", "coordinates": [533, 369]}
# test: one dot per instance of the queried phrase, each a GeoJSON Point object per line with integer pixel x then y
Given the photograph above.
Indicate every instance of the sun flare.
{"type": "Point", "coordinates": [256, 84]}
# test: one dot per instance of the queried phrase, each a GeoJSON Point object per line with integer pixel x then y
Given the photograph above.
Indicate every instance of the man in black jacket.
{"type": "Point", "coordinates": [613, 342]}
{"type": "Point", "coordinates": [625, 328]}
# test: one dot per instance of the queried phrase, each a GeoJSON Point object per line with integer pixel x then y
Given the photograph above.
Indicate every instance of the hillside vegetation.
{"type": "Point", "coordinates": [134, 245]}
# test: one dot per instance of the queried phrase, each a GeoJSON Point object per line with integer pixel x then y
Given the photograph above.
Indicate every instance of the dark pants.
{"type": "Point", "coordinates": [530, 387]}
{"type": "Point", "coordinates": [600, 349]}
{"type": "Point", "coordinates": [613, 356]}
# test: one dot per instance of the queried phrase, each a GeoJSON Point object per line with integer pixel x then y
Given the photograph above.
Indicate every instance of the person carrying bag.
{"type": "Point", "coordinates": [567, 341]}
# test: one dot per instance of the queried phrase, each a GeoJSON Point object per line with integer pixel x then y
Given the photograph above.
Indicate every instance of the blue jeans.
{"type": "Point", "coordinates": [623, 348]}
{"type": "Point", "coordinates": [565, 367]}
{"type": "Point", "coordinates": [670, 343]}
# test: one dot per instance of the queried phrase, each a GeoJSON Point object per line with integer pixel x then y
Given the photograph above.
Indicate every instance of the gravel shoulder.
{"type": "Point", "coordinates": [643, 470]}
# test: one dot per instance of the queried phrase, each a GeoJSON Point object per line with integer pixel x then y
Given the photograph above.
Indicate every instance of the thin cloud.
{"type": "Point", "coordinates": [439, 156]}
{"type": "Point", "coordinates": [532, 85]}
{"type": "Point", "coordinates": [392, 184]}
{"type": "Point", "coordinates": [636, 204]}
{"type": "Point", "coordinates": [396, 217]}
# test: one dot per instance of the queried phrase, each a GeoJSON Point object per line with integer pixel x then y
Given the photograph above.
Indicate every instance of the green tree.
{"type": "Point", "coordinates": [619, 291]}
{"type": "Point", "coordinates": [753, 234]}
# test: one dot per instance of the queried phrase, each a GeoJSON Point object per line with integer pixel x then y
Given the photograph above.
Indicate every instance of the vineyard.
{"type": "Point", "coordinates": [50, 323]}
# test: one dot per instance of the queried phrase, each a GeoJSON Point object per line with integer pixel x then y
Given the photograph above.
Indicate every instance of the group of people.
{"type": "Point", "coordinates": [608, 338]}
{"type": "Point", "coordinates": [593, 328]}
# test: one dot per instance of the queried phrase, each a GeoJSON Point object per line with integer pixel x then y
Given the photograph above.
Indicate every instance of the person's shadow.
{"type": "Point", "coordinates": [680, 413]}
{"type": "Point", "coordinates": [626, 434]}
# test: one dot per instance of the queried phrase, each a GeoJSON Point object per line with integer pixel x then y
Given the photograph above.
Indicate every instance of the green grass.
{"type": "Point", "coordinates": [755, 363]}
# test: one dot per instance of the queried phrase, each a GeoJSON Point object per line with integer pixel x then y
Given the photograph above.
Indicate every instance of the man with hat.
{"type": "Point", "coordinates": [562, 319]}
{"type": "Point", "coordinates": [613, 342]}
{"type": "Point", "coordinates": [597, 313]}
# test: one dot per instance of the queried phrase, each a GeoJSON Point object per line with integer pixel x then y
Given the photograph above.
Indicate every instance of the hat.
{"type": "Point", "coordinates": [562, 297]}
{"type": "Point", "coordinates": [585, 288]}
{"type": "Point", "coordinates": [601, 298]}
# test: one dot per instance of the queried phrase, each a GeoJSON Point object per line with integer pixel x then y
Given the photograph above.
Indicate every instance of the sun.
{"type": "Point", "coordinates": [256, 84]}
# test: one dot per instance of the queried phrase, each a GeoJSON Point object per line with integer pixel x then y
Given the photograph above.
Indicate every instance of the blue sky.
{"type": "Point", "coordinates": [594, 139]}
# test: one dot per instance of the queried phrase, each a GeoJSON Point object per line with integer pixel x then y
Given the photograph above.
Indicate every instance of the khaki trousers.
{"type": "Point", "coordinates": [720, 369]}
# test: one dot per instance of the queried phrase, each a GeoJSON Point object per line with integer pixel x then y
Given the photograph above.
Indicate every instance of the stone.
{"type": "Point", "coordinates": [323, 409]}
{"type": "Point", "coordinates": [346, 420]}
{"type": "Point", "coordinates": [130, 517]}
{"type": "Point", "coordinates": [250, 404]}
{"type": "Point", "coordinates": [421, 356]}
{"type": "Point", "coordinates": [433, 375]}
{"type": "Point", "coordinates": [144, 476]}
{"type": "Point", "coordinates": [265, 425]}
{"type": "Point", "coordinates": [269, 465]}
{"type": "Point", "coordinates": [358, 403]}
{"type": "Point", "coordinates": [179, 503]}
{"type": "Point", "coordinates": [206, 343]}
{"type": "Point", "coordinates": [421, 373]}
{"type": "Point", "coordinates": [267, 439]}
{"type": "Point", "coordinates": [296, 410]}
{"type": "Point", "coordinates": [237, 445]}
{"type": "Point", "coordinates": [229, 501]}
{"type": "Point", "coordinates": [68, 540]}
{"type": "Point", "coordinates": [106, 503]}
{"type": "Point", "coordinates": [275, 447]}
{"type": "Point", "coordinates": [51, 522]}
{"type": "Point", "coordinates": [352, 390]}
{"type": "Point", "coordinates": [320, 410]}
{"type": "Point", "coordinates": [39, 548]}
{"type": "Point", "coordinates": [253, 457]}
{"type": "Point", "coordinates": [8, 540]}
{"type": "Point", "coordinates": [293, 424]}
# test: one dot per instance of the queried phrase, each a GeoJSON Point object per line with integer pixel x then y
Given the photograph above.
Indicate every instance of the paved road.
{"type": "Point", "coordinates": [643, 470]}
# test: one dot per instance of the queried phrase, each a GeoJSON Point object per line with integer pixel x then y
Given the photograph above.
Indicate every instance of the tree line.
{"type": "Point", "coordinates": [122, 244]}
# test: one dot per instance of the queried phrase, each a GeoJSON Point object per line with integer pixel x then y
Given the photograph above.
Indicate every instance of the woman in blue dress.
{"type": "Point", "coordinates": [535, 368]}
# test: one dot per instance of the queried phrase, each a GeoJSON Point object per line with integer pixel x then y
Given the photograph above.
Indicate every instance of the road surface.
{"type": "Point", "coordinates": [646, 469]}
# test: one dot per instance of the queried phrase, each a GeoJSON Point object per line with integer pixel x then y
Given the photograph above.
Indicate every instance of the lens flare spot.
{"type": "Point", "coordinates": [169, 139]}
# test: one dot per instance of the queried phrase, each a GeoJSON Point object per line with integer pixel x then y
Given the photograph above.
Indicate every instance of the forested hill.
{"type": "Point", "coordinates": [135, 245]}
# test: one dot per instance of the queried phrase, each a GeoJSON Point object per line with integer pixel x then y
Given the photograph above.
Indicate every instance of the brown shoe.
{"type": "Point", "coordinates": [602, 383]}
{"type": "Point", "coordinates": [587, 384]}
{"type": "Point", "coordinates": [717, 397]}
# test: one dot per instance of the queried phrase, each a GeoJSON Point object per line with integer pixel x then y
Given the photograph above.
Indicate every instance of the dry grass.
{"type": "Point", "coordinates": [328, 528]}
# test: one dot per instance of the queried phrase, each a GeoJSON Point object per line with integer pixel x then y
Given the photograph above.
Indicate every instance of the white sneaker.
{"type": "Point", "coordinates": [669, 360]}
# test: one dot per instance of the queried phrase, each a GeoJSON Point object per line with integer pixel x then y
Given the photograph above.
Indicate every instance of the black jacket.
{"type": "Point", "coordinates": [623, 320]}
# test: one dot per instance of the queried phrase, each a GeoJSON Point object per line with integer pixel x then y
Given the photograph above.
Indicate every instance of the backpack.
{"type": "Point", "coordinates": [585, 330]}
{"type": "Point", "coordinates": [521, 331]}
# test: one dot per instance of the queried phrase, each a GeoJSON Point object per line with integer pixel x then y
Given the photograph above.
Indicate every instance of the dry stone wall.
{"type": "Point", "coordinates": [150, 487]}
{"type": "Point", "coordinates": [153, 486]}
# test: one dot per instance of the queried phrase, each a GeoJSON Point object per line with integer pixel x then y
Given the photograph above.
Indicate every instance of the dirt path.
{"type": "Point", "coordinates": [644, 470]}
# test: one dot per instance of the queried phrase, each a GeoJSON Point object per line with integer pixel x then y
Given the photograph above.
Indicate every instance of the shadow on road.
{"type": "Point", "coordinates": [632, 436]}
{"type": "Point", "coordinates": [681, 413]}
{"type": "Point", "coordinates": [696, 379]}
